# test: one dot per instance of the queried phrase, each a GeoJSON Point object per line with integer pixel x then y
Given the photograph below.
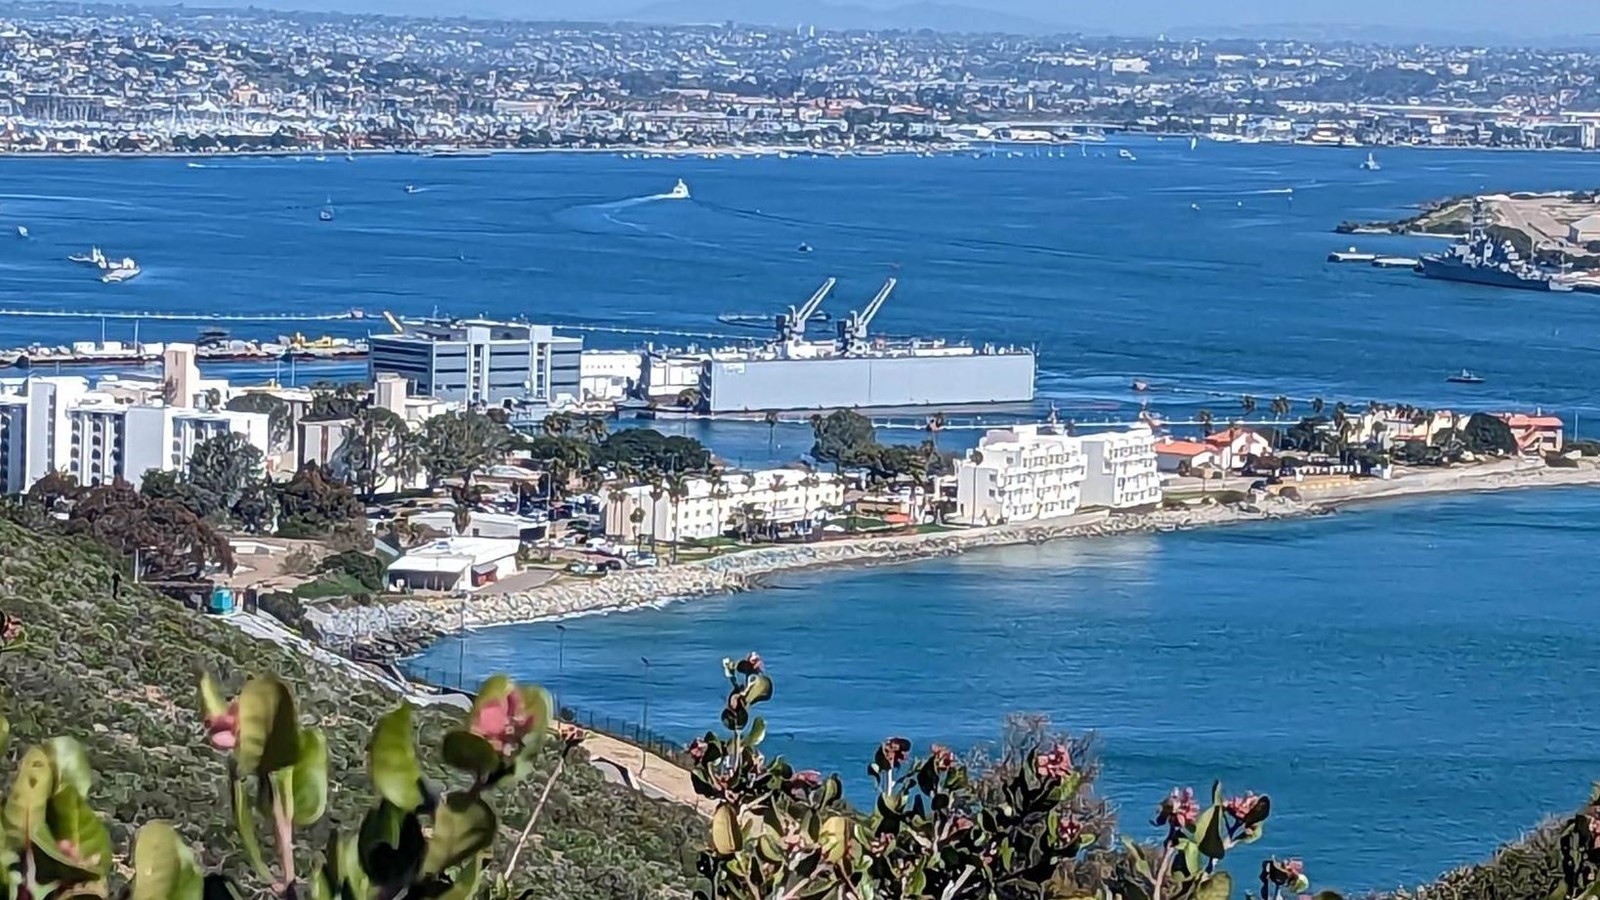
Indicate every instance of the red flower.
{"type": "Point", "coordinates": [805, 780]}
{"type": "Point", "coordinates": [1069, 829]}
{"type": "Point", "coordinates": [1179, 810]}
{"type": "Point", "coordinates": [503, 722]}
{"type": "Point", "coordinates": [1239, 807]}
{"type": "Point", "coordinates": [961, 823]}
{"type": "Point", "coordinates": [223, 731]}
{"type": "Point", "coordinates": [943, 758]}
{"type": "Point", "coordinates": [10, 629]}
{"type": "Point", "coordinates": [896, 750]}
{"type": "Point", "coordinates": [1055, 764]}
{"type": "Point", "coordinates": [752, 664]}
{"type": "Point", "coordinates": [1293, 868]}
{"type": "Point", "coordinates": [697, 750]}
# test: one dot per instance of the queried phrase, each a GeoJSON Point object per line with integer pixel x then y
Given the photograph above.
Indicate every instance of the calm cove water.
{"type": "Point", "coordinates": [1411, 682]}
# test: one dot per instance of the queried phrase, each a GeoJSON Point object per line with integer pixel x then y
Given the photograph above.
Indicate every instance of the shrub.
{"type": "Point", "coordinates": [364, 568]}
{"type": "Point", "coordinates": [300, 561]}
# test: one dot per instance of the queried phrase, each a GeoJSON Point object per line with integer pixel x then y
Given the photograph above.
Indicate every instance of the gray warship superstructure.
{"type": "Point", "coordinates": [1479, 260]}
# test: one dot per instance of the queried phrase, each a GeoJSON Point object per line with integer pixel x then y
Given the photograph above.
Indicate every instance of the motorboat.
{"type": "Point", "coordinates": [805, 248]}
{"type": "Point", "coordinates": [411, 189]}
{"type": "Point", "coordinates": [1465, 377]}
{"type": "Point", "coordinates": [1127, 154]}
{"type": "Point", "coordinates": [1370, 164]}
{"type": "Point", "coordinates": [326, 214]}
{"type": "Point", "coordinates": [680, 191]}
{"type": "Point", "coordinates": [22, 231]}
{"type": "Point", "coordinates": [127, 270]}
{"type": "Point", "coordinates": [93, 258]}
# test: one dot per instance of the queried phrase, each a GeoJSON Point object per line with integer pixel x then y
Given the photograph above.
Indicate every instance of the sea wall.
{"type": "Point", "coordinates": [396, 627]}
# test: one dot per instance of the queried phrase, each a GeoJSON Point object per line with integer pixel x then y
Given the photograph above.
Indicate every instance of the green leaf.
{"type": "Point", "coordinates": [212, 703]}
{"type": "Point", "coordinates": [1259, 812]}
{"type": "Point", "coordinates": [392, 760]}
{"type": "Point", "coordinates": [162, 866]}
{"type": "Point", "coordinates": [465, 885]}
{"type": "Point", "coordinates": [1218, 887]}
{"type": "Point", "coordinates": [5, 735]}
{"type": "Point", "coordinates": [835, 838]}
{"type": "Point", "coordinates": [71, 820]}
{"type": "Point", "coordinates": [310, 781]}
{"type": "Point", "coordinates": [269, 733]}
{"type": "Point", "coordinates": [726, 834]}
{"type": "Point", "coordinates": [30, 794]}
{"type": "Point", "coordinates": [470, 753]}
{"type": "Point", "coordinates": [72, 765]}
{"type": "Point", "coordinates": [537, 705]}
{"type": "Point", "coordinates": [1192, 862]}
{"type": "Point", "coordinates": [244, 822]}
{"type": "Point", "coordinates": [757, 690]}
{"type": "Point", "coordinates": [1208, 831]}
{"type": "Point", "coordinates": [463, 827]}
{"type": "Point", "coordinates": [1140, 863]}
{"type": "Point", "coordinates": [757, 732]}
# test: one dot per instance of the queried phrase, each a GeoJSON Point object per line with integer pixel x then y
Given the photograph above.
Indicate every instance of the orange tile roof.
{"type": "Point", "coordinates": [1184, 448]}
{"type": "Point", "coordinates": [1520, 420]}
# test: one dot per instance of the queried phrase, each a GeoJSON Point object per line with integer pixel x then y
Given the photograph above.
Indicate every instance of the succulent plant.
{"type": "Point", "coordinates": [419, 839]}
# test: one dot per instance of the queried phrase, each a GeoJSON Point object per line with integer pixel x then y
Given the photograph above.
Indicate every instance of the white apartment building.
{"type": "Point", "coordinates": [109, 441]}
{"type": "Point", "coordinates": [1121, 469]}
{"type": "Point", "coordinates": [1021, 474]}
{"type": "Point", "coordinates": [13, 444]}
{"type": "Point", "coordinates": [782, 497]}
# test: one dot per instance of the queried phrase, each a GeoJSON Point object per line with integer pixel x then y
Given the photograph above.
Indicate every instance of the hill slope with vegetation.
{"type": "Point", "coordinates": [120, 675]}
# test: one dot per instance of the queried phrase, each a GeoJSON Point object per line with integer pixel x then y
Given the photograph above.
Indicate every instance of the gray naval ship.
{"type": "Point", "coordinates": [1479, 260]}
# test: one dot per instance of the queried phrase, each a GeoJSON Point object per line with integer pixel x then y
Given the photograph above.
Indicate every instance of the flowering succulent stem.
{"type": "Point", "coordinates": [533, 817]}
{"type": "Point", "coordinates": [1160, 884]}
{"type": "Point", "coordinates": [284, 822]}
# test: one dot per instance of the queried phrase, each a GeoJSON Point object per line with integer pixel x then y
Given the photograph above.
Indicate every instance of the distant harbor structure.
{"type": "Point", "coordinates": [853, 371]}
{"type": "Point", "coordinates": [478, 361]}
{"type": "Point", "coordinates": [1480, 260]}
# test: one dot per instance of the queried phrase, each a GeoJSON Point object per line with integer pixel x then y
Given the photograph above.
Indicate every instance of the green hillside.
{"type": "Point", "coordinates": [120, 677]}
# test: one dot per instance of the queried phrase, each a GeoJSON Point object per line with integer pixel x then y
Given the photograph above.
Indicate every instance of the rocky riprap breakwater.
{"type": "Point", "coordinates": [392, 629]}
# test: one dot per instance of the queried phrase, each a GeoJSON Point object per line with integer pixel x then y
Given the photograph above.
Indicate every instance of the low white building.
{"type": "Point", "coordinates": [1122, 472]}
{"type": "Point", "coordinates": [786, 498]}
{"type": "Point", "coordinates": [455, 564]}
{"type": "Point", "coordinates": [1021, 474]}
{"type": "Point", "coordinates": [609, 374]}
{"type": "Point", "coordinates": [483, 524]}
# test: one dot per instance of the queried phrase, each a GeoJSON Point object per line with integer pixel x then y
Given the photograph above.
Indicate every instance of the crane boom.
{"type": "Point", "coordinates": [871, 311]}
{"type": "Point", "coordinates": [810, 308]}
{"type": "Point", "coordinates": [394, 323]}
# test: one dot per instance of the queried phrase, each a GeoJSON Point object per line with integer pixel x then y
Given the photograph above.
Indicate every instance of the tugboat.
{"type": "Point", "coordinates": [680, 191]}
{"type": "Point", "coordinates": [1370, 164]}
{"type": "Point", "coordinates": [1479, 260]}
{"type": "Point", "coordinates": [1465, 377]}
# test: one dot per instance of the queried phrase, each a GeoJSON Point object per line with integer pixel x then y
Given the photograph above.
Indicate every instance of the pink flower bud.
{"type": "Point", "coordinates": [1240, 807]}
{"type": "Point", "coordinates": [1055, 764]}
{"type": "Point", "coordinates": [697, 750]}
{"type": "Point", "coordinates": [943, 758]}
{"type": "Point", "coordinates": [1179, 810]}
{"type": "Point", "coordinates": [896, 750]}
{"type": "Point", "coordinates": [223, 730]}
{"type": "Point", "coordinates": [503, 722]}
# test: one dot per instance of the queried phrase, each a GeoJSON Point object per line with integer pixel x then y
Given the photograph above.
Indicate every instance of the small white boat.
{"type": "Point", "coordinates": [22, 231]}
{"type": "Point", "coordinates": [1370, 164]}
{"type": "Point", "coordinates": [680, 191]}
{"type": "Point", "coordinates": [1127, 154]}
{"type": "Point", "coordinates": [123, 271]}
{"type": "Point", "coordinates": [411, 189]}
{"type": "Point", "coordinates": [1193, 142]}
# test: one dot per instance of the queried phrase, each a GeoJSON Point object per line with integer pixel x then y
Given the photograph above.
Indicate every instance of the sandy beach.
{"type": "Point", "coordinates": [411, 621]}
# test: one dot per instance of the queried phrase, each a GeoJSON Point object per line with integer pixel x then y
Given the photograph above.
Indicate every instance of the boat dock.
{"type": "Point", "coordinates": [1351, 256]}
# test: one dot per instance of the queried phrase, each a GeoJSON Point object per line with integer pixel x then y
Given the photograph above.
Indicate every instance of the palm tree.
{"type": "Point", "coordinates": [657, 491]}
{"type": "Point", "coordinates": [593, 429]}
{"type": "Point", "coordinates": [556, 424]}
{"type": "Point", "coordinates": [1248, 404]}
{"type": "Point", "coordinates": [678, 490]}
{"type": "Point", "coordinates": [461, 516]}
{"type": "Point", "coordinates": [637, 518]}
{"type": "Point", "coordinates": [1281, 406]}
{"type": "Point", "coordinates": [1317, 406]}
{"type": "Point", "coordinates": [615, 497]}
{"type": "Point", "coordinates": [772, 428]}
{"type": "Point", "coordinates": [936, 424]}
{"type": "Point", "coordinates": [1206, 420]}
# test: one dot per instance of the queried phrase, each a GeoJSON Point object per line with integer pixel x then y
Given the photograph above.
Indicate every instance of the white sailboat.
{"type": "Point", "coordinates": [1193, 142]}
{"type": "Point", "coordinates": [1370, 164]}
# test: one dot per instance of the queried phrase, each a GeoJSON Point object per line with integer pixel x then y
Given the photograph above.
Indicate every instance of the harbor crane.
{"type": "Point", "coordinates": [853, 329]}
{"type": "Point", "coordinates": [792, 324]}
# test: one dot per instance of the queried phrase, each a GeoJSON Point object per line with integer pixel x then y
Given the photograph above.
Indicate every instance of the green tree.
{"type": "Point", "coordinates": [678, 491]}
{"type": "Point", "coordinates": [843, 438]}
{"type": "Point", "coordinates": [162, 485]}
{"type": "Point", "coordinates": [256, 507]}
{"type": "Point", "coordinates": [166, 537]}
{"type": "Point", "coordinates": [279, 437]}
{"type": "Point", "coordinates": [312, 503]}
{"type": "Point", "coordinates": [52, 491]}
{"type": "Point", "coordinates": [460, 444]}
{"type": "Point", "coordinates": [219, 471]}
{"type": "Point", "coordinates": [1484, 433]}
{"type": "Point", "coordinates": [377, 445]}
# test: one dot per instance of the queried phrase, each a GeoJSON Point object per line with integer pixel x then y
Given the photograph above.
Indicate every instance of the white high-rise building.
{"type": "Point", "coordinates": [1020, 474]}
{"type": "Point", "coordinates": [1121, 469]}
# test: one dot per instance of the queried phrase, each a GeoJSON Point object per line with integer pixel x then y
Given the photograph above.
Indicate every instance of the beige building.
{"type": "Point", "coordinates": [1121, 469]}
{"type": "Point", "coordinates": [1020, 474]}
{"type": "Point", "coordinates": [787, 498]}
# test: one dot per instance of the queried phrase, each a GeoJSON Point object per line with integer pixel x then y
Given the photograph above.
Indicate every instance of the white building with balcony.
{"type": "Point", "coordinates": [783, 498]}
{"type": "Point", "coordinates": [1020, 474]}
{"type": "Point", "coordinates": [1122, 471]}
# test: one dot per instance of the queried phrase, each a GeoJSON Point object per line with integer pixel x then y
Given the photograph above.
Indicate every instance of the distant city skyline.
{"type": "Point", "coordinates": [1487, 20]}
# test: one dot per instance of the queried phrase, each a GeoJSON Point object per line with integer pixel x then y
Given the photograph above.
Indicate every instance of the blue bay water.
{"type": "Point", "coordinates": [1412, 683]}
